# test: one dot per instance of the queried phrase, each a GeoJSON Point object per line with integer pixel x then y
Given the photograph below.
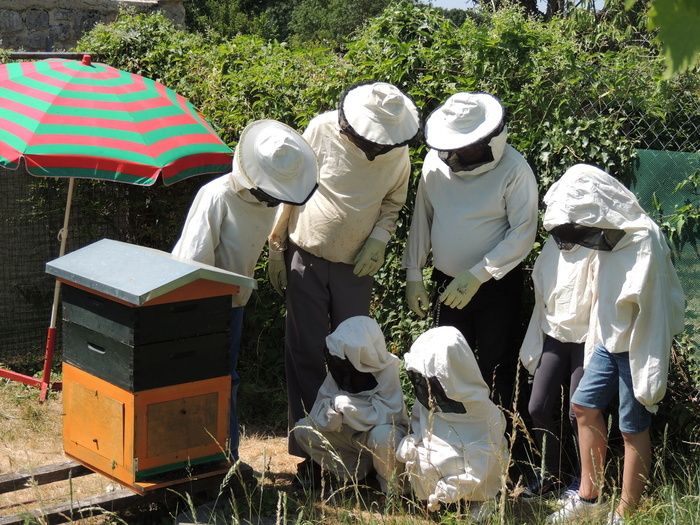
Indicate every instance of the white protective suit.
{"type": "Point", "coordinates": [350, 430]}
{"type": "Point", "coordinates": [564, 281]}
{"type": "Point", "coordinates": [484, 220]}
{"type": "Point", "coordinates": [226, 227]}
{"type": "Point", "coordinates": [452, 456]}
{"type": "Point", "coordinates": [638, 302]}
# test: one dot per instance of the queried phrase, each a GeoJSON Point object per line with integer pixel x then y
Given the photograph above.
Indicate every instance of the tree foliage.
{"type": "Point", "coordinates": [677, 22]}
{"type": "Point", "coordinates": [327, 20]}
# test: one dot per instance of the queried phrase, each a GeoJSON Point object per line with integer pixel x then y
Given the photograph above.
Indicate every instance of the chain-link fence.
{"type": "Point", "coordinates": [31, 217]}
{"type": "Point", "coordinates": [668, 155]}
{"type": "Point", "coordinates": [31, 214]}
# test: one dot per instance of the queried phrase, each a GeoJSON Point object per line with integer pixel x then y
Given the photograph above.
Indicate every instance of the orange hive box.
{"type": "Point", "coordinates": [137, 437]}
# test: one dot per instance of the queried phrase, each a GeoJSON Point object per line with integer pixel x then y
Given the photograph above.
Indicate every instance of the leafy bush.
{"type": "Point", "coordinates": [575, 90]}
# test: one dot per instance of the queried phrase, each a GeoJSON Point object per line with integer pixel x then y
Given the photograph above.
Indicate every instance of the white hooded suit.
{"type": "Point", "coordinates": [637, 302]}
{"type": "Point", "coordinates": [564, 282]}
{"type": "Point", "coordinates": [359, 414]}
{"type": "Point", "coordinates": [456, 449]}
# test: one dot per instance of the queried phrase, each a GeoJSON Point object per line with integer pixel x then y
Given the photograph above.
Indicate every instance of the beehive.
{"type": "Point", "coordinates": [146, 361]}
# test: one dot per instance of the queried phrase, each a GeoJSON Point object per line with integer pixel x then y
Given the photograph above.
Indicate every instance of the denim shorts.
{"type": "Point", "coordinates": [605, 374]}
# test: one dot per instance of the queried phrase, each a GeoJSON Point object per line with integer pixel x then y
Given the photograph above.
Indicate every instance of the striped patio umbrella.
{"type": "Point", "coordinates": [77, 119]}
{"type": "Point", "coordinates": [82, 120]}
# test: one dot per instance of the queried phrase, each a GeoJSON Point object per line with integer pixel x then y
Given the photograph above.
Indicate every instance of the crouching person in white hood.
{"type": "Point", "coordinates": [359, 415]}
{"type": "Point", "coordinates": [456, 449]}
{"type": "Point", "coordinates": [637, 308]}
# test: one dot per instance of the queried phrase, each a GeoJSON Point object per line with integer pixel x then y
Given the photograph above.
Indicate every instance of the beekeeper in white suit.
{"type": "Point", "coordinates": [455, 449]}
{"type": "Point", "coordinates": [637, 308]}
{"type": "Point", "coordinates": [359, 415]}
{"type": "Point", "coordinates": [476, 210]}
{"type": "Point", "coordinates": [327, 251]}
{"type": "Point", "coordinates": [231, 216]}
{"type": "Point", "coordinates": [564, 280]}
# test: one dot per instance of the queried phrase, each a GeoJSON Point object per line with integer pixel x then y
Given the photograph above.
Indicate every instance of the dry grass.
{"type": "Point", "coordinates": [31, 436]}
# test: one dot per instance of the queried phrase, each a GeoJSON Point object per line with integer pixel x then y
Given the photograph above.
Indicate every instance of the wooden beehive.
{"type": "Point", "coordinates": [146, 361]}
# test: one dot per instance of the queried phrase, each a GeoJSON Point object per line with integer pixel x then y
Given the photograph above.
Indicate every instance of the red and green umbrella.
{"type": "Point", "coordinates": [82, 120]}
{"type": "Point", "coordinates": [77, 119]}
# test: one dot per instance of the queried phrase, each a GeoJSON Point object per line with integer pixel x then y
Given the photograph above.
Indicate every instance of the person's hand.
{"type": "Point", "coordinates": [277, 272]}
{"type": "Point", "coordinates": [342, 402]}
{"type": "Point", "coordinates": [334, 420]}
{"type": "Point", "coordinates": [461, 290]}
{"type": "Point", "coordinates": [417, 298]}
{"type": "Point", "coordinates": [370, 258]}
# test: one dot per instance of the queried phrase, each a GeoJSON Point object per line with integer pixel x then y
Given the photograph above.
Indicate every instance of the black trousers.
{"type": "Point", "coordinates": [491, 324]}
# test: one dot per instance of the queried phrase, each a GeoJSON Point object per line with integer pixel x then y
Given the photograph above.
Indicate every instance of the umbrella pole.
{"type": "Point", "coordinates": [51, 333]}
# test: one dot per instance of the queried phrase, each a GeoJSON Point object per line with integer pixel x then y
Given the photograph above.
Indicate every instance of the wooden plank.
{"type": "Point", "coordinates": [94, 506]}
{"type": "Point", "coordinates": [117, 501]}
{"type": "Point", "coordinates": [42, 475]}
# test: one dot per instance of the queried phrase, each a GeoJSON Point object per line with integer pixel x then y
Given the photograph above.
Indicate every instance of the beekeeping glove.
{"type": "Point", "coordinates": [276, 271]}
{"type": "Point", "coordinates": [370, 258]}
{"type": "Point", "coordinates": [417, 298]}
{"type": "Point", "coordinates": [461, 290]}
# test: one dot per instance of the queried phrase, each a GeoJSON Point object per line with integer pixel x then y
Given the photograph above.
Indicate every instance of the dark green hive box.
{"type": "Point", "coordinates": [111, 331]}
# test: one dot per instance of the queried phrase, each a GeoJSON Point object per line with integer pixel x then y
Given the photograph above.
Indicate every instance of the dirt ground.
{"type": "Point", "coordinates": [31, 436]}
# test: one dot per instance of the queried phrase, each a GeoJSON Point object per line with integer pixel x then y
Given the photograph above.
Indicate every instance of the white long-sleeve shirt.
{"type": "Point", "coordinates": [564, 283]}
{"type": "Point", "coordinates": [356, 198]}
{"type": "Point", "coordinates": [226, 227]}
{"type": "Point", "coordinates": [485, 223]}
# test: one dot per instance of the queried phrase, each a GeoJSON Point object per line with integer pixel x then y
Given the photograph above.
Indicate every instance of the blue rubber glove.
{"type": "Point", "coordinates": [417, 298]}
{"type": "Point", "coordinates": [461, 290]}
{"type": "Point", "coordinates": [370, 258]}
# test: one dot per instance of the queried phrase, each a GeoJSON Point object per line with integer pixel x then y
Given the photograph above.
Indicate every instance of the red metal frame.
{"type": "Point", "coordinates": [44, 383]}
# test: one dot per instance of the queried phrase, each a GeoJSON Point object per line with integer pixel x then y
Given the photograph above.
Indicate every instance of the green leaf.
{"type": "Point", "coordinates": [678, 22]}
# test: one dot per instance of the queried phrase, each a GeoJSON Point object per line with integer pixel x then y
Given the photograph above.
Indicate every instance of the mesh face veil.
{"type": "Point", "coordinates": [347, 377]}
{"type": "Point", "coordinates": [431, 395]}
{"type": "Point", "coordinates": [570, 234]}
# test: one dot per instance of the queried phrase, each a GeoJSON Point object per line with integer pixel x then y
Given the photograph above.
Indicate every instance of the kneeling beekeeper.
{"type": "Point", "coordinates": [231, 216]}
{"type": "Point", "coordinates": [359, 415]}
{"type": "Point", "coordinates": [456, 450]}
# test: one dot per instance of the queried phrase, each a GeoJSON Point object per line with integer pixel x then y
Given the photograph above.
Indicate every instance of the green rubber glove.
{"type": "Point", "coordinates": [461, 290]}
{"type": "Point", "coordinates": [370, 258]}
{"type": "Point", "coordinates": [277, 272]}
{"type": "Point", "coordinates": [417, 298]}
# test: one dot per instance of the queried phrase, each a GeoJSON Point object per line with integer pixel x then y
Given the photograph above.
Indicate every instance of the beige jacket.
{"type": "Point", "coordinates": [356, 198]}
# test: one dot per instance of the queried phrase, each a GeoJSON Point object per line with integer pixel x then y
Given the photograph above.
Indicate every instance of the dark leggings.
{"type": "Point", "coordinates": [560, 362]}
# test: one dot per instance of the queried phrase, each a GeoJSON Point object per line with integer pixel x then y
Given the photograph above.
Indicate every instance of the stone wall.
{"type": "Point", "coordinates": [56, 25]}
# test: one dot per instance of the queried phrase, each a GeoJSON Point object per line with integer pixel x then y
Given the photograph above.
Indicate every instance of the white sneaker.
{"type": "Point", "coordinates": [570, 492]}
{"type": "Point", "coordinates": [574, 508]}
{"type": "Point", "coordinates": [614, 519]}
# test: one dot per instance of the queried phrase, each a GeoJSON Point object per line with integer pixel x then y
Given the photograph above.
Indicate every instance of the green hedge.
{"type": "Point", "coordinates": [575, 90]}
